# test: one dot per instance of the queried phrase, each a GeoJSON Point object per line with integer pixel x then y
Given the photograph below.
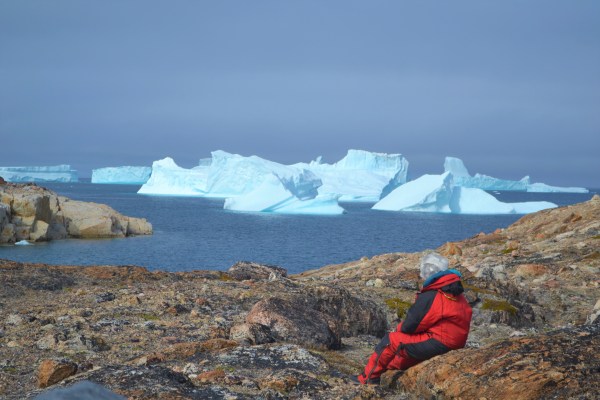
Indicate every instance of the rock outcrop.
{"type": "Point", "coordinates": [244, 270]}
{"type": "Point", "coordinates": [562, 364]}
{"type": "Point", "coordinates": [30, 212]}
{"type": "Point", "coordinates": [248, 333]}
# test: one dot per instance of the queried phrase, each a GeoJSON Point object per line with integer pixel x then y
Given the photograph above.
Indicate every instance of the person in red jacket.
{"type": "Point", "coordinates": [437, 322]}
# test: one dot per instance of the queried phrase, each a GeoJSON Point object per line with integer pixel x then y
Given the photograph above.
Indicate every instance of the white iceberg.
{"type": "Point", "coordinates": [543, 188]}
{"type": "Point", "coordinates": [57, 173]}
{"type": "Point", "coordinates": [169, 179]}
{"type": "Point", "coordinates": [234, 175]}
{"type": "Point", "coordinates": [462, 178]}
{"type": "Point", "coordinates": [429, 193]}
{"type": "Point", "coordinates": [359, 176]}
{"type": "Point", "coordinates": [437, 193]}
{"type": "Point", "coordinates": [478, 201]}
{"type": "Point", "coordinates": [132, 175]}
{"type": "Point", "coordinates": [456, 167]}
{"type": "Point", "coordinates": [247, 183]}
{"type": "Point", "coordinates": [23, 243]}
{"type": "Point", "coordinates": [275, 195]}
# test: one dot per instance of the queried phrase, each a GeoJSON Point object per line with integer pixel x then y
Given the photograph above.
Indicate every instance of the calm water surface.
{"type": "Point", "coordinates": [196, 233]}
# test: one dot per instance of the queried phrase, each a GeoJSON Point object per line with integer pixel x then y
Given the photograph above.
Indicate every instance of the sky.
{"type": "Point", "coordinates": [511, 87]}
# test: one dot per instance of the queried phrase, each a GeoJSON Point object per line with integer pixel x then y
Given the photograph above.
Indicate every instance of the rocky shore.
{"type": "Point", "coordinates": [33, 213]}
{"type": "Point", "coordinates": [255, 332]}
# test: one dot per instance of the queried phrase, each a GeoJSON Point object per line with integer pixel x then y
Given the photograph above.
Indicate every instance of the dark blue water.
{"type": "Point", "coordinates": [195, 233]}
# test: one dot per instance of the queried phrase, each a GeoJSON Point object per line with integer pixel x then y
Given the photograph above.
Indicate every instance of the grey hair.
{"type": "Point", "coordinates": [432, 263]}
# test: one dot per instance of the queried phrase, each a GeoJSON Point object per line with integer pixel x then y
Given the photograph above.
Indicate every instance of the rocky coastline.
{"type": "Point", "coordinates": [255, 332]}
{"type": "Point", "coordinates": [34, 214]}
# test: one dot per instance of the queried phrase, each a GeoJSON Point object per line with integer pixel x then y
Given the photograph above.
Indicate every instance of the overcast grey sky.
{"type": "Point", "coordinates": [511, 87]}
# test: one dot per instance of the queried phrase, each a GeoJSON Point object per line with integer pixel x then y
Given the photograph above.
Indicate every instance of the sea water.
{"type": "Point", "coordinates": [196, 233]}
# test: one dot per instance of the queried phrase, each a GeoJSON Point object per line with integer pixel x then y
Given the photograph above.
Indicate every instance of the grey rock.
{"type": "Point", "coordinates": [84, 390]}
{"type": "Point", "coordinates": [295, 322]}
{"type": "Point", "coordinates": [47, 342]}
{"type": "Point", "coordinates": [103, 297]}
{"type": "Point", "coordinates": [244, 270]}
{"type": "Point", "coordinates": [251, 333]}
{"type": "Point", "coordinates": [272, 356]}
{"type": "Point", "coordinates": [14, 319]}
{"type": "Point", "coordinates": [353, 316]}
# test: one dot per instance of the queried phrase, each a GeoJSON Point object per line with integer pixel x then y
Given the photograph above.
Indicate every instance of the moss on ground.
{"type": "Point", "coordinates": [400, 307]}
{"type": "Point", "coordinates": [149, 317]}
{"type": "Point", "coordinates": [499, 305]}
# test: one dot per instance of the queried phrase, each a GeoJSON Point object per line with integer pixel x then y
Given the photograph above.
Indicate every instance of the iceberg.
{"type": "Point", "coordinates": [259, 185]}
{"type": "Point", "coordinates": [456, 167]}
{"type": "Point", "coordinates": [122, 175]}
{"type": "Point", "coordinates": [275, 195]}
{"type": "Point", "coordinates": [234, 175]}
{"type": "Point", "coordinates": [543, 188]}
{"type": "Point", "coordinates": [478, 201]}
{"type": "Point", "coordinates": [429, 193]}
{"type": "Point", "coordinates": [169, 179]}
{"type": "Point", "coordinates": [462, 178]}
{"type": "Point", "coordinates": [438, 193]}
{"type": "Point", "coordinates": [485, 182]}
{"type": "Point", "coordinates": [247, 184]}
{"type": "Point", "coordinates": [359, 176]}
{"type": "Point", "coordinates": [57, 173]}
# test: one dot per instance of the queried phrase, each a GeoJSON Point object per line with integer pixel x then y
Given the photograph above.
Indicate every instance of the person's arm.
{"type": "Point", "coordinates": [419, 316]}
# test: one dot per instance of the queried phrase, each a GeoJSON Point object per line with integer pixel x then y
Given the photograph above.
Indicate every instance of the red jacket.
{"type": "Point", "coordinates": [441, 311]}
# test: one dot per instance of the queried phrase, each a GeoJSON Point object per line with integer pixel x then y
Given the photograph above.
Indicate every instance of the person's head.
{"type": "Point", "coordinates": [432, 263]}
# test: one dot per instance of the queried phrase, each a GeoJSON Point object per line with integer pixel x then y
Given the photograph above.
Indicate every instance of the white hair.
{"type": "Point", "coordinates": [432, 263]}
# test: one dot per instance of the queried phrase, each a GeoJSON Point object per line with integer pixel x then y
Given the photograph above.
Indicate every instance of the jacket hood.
{"type": "Point", "coordinates": [441, 279]}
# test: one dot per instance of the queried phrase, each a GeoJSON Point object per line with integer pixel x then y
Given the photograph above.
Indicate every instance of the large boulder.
{"type": "Point", "coordinates": [293, 321]}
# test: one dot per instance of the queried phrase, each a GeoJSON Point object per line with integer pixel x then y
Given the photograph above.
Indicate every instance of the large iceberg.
{"type": "Point", "coordinates": [275, 195]}
{"type": "Point", "coordinates": [247, 184]}
{"type": "Point", "coordinates": [438, 193]}
{"type": "Point", "coordinates": [359, 176]}
{"type": "Point", "coordinates": [462, 178]}
{"type": "Point", "coordinates": [57, 173]}
{"type": "Point", "coordinates": [122, 175]}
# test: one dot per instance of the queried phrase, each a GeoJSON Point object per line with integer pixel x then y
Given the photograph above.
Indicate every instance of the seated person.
{"type": "Point", "coordinates": [437, 322]}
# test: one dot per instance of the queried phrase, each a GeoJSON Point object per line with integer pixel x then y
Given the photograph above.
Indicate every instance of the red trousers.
{"type": "Point", "coordinates": [390, 354]}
